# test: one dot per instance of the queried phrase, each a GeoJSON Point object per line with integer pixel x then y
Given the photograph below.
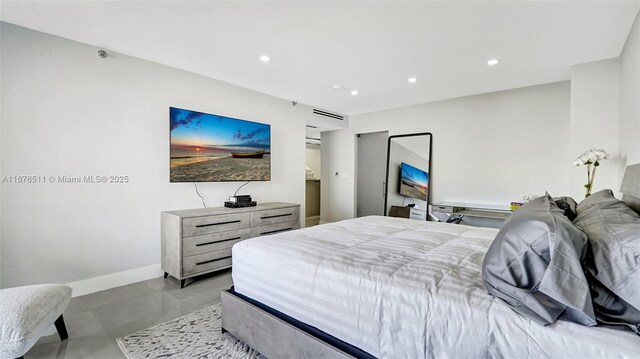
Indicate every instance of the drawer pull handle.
{"type": "Point", "coordinates": [276, 231]}
{"type": "Point", "coordinates": [276, 216]}
{"type": "Point", "coordinates": [213, 260]}
{"type": "Point", "coordinates": [224, 240]}
{"type": "Point", "coordinates": [217, 224]}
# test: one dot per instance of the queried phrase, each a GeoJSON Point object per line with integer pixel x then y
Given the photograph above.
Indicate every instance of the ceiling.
{"type": "Point", "coordinates": [373, 47]}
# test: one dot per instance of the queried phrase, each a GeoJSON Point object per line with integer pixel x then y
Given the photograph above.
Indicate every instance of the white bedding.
{"type": "Point", "coordinates": [399, 288]}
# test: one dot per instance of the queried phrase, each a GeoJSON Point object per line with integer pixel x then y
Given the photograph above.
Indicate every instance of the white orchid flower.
{"type": "Point", "coordinates": [591, 159]}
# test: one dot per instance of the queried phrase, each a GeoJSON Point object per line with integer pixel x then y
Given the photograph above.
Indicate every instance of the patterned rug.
{"type": "Point", "coordinates": [195, 335]}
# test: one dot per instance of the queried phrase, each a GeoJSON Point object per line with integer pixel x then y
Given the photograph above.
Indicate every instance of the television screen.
{"type": "Point", "coordinates": [213, 148]}
{"type": "Point", "coordinates": [413, 182]}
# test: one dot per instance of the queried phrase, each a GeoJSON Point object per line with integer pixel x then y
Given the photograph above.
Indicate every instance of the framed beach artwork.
{"type": "Point", "coordinates": [214, 148]}
{"type": "Point", "coordinates": [413, 182]}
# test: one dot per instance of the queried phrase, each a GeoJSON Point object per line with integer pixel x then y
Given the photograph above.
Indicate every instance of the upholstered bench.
{"type": "Point", "coordinates": [26, 313]}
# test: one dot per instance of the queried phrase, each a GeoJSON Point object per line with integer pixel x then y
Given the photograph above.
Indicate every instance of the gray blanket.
{"type": "Point", "coordinates": [534, 265]}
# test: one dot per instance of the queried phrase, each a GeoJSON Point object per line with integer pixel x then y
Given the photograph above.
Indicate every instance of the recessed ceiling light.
{"type": "Point", "coordinates": [354, 92]}
{"type": "Point", "coordinates": [492, 62]}
{"type": "Point", "coordinates": [337, 86]}
{"type": "Point", "coordinates": [412, 80]}
{"type": "Point", "coordinates": [265, 58]}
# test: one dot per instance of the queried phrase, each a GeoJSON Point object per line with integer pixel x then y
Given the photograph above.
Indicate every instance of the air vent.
{"type": "Point", "coordinates": [328, 114]}
{"type": "Point", "coordinates": [313, 141]}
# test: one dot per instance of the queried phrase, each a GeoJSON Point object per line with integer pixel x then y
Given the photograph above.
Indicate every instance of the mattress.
{"type": "Point", "coordinates": [399, 288]}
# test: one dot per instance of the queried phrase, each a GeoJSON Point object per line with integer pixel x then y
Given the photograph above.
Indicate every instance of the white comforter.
{"type": "Point", "coordinates": [399, 288]}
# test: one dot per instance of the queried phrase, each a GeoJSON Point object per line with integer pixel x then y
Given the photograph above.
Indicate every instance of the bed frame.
{"type": "Point", "coordinates": [276, 335]}
{"type": "Point", "coordinates": [630, 187]}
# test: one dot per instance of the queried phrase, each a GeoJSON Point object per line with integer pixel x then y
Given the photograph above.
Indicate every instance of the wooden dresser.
{"type": "Point", "coordinates": [199, 241]}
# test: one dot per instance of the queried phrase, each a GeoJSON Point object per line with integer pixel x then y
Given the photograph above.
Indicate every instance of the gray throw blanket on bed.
{"type": "Point", "coordinates": [613, 263]}
{"type": "Point", "coordinates": [534, 265]}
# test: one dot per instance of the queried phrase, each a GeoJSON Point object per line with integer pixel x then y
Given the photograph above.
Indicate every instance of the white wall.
{"type": "Point", "coordinates": [630, 96]}
{"type": "Point", "coordinates": [595, 102]}
{"type": "Point", "coordinates": [2, 110]}
{"type": "Point", "coordinates": [313, 159]}
{"type": "Point", "coordinates": [489, 148]}
{"type": "Point", "coordinates": [337, 178]}
{"type": "Point", "coordinates": [65, 111]}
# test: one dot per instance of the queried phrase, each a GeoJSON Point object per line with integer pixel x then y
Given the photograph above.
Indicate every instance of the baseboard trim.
{"type": "Point", "coordinates": [113, 280]}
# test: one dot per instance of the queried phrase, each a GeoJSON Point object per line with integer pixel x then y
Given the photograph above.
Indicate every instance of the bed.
{"type": "Point", "coordinates": [389, 288]}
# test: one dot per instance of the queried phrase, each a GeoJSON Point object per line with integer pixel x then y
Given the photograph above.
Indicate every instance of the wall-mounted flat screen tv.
{"type": "Point", "coordinates": [414, 182]}
{"type": "Point", "coordinates": [213, 148]}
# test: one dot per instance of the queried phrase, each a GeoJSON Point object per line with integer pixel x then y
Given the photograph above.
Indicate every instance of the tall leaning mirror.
{"type": "Point", "coordinates": [408, 181]}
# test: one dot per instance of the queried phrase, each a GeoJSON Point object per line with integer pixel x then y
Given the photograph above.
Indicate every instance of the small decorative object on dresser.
{"type": "Point", "coordinates": [199, 241]}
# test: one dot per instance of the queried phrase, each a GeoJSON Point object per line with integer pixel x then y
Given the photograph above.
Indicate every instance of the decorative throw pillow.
{"type": "Point", "coordinates": [614, 234]}
{"type": "Point", "coordinates": [568, 205]}
{"type": "Point", "coordinates": [534, 265]}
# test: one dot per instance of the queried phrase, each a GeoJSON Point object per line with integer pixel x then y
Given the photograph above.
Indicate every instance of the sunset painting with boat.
{"type": "Point", "coordinates": [213, 148]}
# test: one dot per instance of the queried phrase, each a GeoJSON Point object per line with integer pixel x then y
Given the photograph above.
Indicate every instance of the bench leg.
{"type": "Point", "coordinates": [62, 329]}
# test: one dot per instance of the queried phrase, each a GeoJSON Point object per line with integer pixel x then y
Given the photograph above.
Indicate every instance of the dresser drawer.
{"type": "Point", "coordinates": [210, 224]}
{"type": "Point", "coordinates": [206, 262]}
{"type": "Point", "coordinates": [270, 216]}
{"type": "Point", "coordinates": [418, 214]}
{"type": "Point", "coordinates": [274, 228]}
{"type": "Point", "coordinates": [213, 241]}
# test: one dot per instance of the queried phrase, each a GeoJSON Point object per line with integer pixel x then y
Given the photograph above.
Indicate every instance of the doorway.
{"type": "Point", "coordinates": [312, 182]}
{"type": "Point", "coordinates": [371, 162]}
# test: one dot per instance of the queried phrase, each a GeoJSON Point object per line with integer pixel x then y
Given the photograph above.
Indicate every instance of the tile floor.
{"type": "Point", "coordinates": [95, 320]}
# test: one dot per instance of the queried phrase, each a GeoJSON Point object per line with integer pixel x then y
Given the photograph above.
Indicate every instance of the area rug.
{"type": "Point", "coordinates": [195, 335]}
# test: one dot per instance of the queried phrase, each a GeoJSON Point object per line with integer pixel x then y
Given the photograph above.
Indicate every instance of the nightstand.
{"type": "Point", "coordinates": [408, 212]}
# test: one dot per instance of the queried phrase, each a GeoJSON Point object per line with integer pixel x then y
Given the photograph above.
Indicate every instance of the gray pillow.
{"type": "Point", "coordinates": [614, 234]}
{"type": "Point", "coordinates": [534, 265]}
{"type": "Point", "coordinates": [610, 309]}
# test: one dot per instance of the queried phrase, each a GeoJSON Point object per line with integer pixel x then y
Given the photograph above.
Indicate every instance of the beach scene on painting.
{"type": "Point", "coordinates": [413, 182]}
{"type": "Point", "coordinates": [212, 148]}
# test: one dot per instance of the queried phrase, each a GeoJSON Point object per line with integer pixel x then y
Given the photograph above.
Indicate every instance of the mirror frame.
{"type": "Point", "coordinates": [386, 178]}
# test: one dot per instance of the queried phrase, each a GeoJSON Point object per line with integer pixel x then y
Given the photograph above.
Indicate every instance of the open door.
{"type": "Point", "coordinates": [370, 173]}
{"type": "Point", "coordinates": [312, 182]}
